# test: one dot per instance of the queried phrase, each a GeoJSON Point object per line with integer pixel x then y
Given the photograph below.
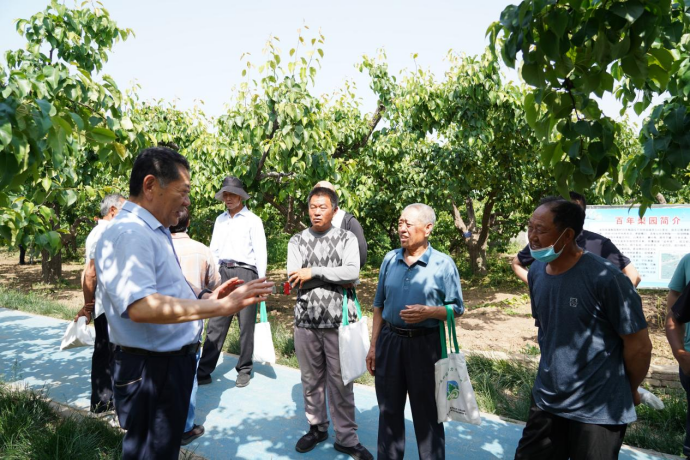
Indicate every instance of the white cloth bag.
{"type": "Point", "coordinates": [455, 398]}
{"type": "Point", "coordinates": [263, 341]}
{"type": "Point", "coordinates": [78, 334]}
{"type": "Point", "coordinates": [353, 342]}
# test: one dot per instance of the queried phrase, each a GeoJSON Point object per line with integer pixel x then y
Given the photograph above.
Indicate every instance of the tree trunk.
{"type": "Point", "coordinates": [22, 255]}
{"type": "Point", "coordinates": [477, 254]}
{"type": "Point", "coordinates": [476, 237]}
{"type": "Point", "coordinates": [51, 267]}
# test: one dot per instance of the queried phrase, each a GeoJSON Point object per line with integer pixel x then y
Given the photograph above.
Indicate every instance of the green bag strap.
{"type": "Point", "coordinates": [263, 317]}
{"type": "Point", "coordinates": [346, 320]}
{"type": "Point", "coordinates": [450, 319]}
{"type": "Point", "coordinates": [444, 351]}
{"type": "Point", "coordinates": [357, 305]}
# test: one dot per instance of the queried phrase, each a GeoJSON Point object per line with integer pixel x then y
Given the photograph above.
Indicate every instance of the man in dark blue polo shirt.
{"type": "Point", "coordinates": [416, 282]}
{"type": "Point", "coordinates": [594, 343]}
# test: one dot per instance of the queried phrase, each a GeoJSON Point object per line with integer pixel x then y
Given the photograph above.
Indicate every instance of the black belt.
{"type": "Point", "coordinates": [234, 264]}
{"type": "Point", "coordinates": [416, 332]}
{"type": "Point", "coordinates": [190, 349]}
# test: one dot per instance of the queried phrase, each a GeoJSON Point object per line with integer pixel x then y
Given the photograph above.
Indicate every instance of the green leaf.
{"type": "Point", "coordinates": [629, 10]}
{"type": "Point", "coordinates": [77, 120]}
{"type": "Point", "coordinates": [62, 123]}
{"type": "Point", "coordinates": [102, 135]}
{"type": "Point", "coordinates": [635, 65]}
{"type": "Point", "coordinates": [675, 121]}
{"type": "Point", "coordinates": [46, 183]}
{"type": "Point", "coordinates": [532, 74]}
{"type": "Point", "coordinates": [5, 133]}
{"type": "Point", "coordinates": [70, 197]}
{"type": "Point", "coordinates": [120, 150]}
{"type": "Point", "coordinates": [45, 107]}
{"type": "Point", "coordinates": [557, 20]}
{"type": "Point", "coordinates": [663, 57]}
{"type": "Point", "coordinates": [586, 166]}
{"type": "Point", "coordinates": [669, 183]}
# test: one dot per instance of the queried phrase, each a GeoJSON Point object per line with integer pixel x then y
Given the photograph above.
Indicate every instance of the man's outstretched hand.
{"type": "Point", "coordinates": [226, 288]}
{"type": "Point", "coordinates": [248, 294]}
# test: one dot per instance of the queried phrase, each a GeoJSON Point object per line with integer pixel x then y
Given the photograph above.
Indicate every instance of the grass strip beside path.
{"type": "Point", "coordinates": [30, 429]}
{"type": "Point", "coordinates": [34, 303]}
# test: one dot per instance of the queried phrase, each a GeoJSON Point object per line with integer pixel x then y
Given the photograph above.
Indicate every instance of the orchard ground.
{"type": "Point", "coordinates": [497, 318]}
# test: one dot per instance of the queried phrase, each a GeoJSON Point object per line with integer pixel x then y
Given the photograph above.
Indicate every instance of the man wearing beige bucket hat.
{"type": "Point", "coordinates": [238, 245]}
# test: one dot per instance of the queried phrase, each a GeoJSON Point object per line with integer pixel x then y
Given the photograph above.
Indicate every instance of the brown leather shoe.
{"type": "Point", "coordinates": [196, 432]}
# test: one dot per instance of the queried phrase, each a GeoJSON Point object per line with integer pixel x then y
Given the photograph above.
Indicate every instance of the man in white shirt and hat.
{"type": "Point", "coordinates": [238, 244]}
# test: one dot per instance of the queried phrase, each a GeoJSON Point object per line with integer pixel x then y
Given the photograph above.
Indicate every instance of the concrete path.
{"type": "Point", "coordinates": [261, 421]}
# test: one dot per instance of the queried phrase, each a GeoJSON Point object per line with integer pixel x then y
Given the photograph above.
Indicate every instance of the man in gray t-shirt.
{"type": "Point", "coordinates": [595, 347]}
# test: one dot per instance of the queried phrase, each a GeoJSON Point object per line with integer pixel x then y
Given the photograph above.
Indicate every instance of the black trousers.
{"type": "Point", "coordinates": [550, 437]}
{"type": "Point", "coordinates": [685, 381]}
{"type": "Point", "coordinates": [101, 367]}
{"type": "Point", "coordinates": [151, 400]}
{"type": "Point", "coordinates": [217, 330]}
{"type": "Point", "coordinates": [405, 368]}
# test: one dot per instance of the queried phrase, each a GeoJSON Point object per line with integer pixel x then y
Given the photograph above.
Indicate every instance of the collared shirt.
{"type": "Point", "coordinates": [196, 262]}
{"type": "Point", "coordinates": [90, 254]}
{"type": "Point", "coordinates": [432, 280]}
{"type": "Point", "coordinates": [135, 258]}
{"type": "Point", "coordinates": [92, 239]}
{"type": "Point", "coordinates": [338, 217]}
{"type": "Point", "coordinates": [240, 238]}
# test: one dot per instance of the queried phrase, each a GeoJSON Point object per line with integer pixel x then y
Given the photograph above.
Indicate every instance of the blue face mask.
{"type": "Point", "coordinates": [547, 255]}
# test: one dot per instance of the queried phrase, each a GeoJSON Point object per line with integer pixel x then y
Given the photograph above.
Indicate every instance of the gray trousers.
{"type": "Point", "coordinates": [218, 327]}
{"type": "Point", "coordinates": [319, 363]}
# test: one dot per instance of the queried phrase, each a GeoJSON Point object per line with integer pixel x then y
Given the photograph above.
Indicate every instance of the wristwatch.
{"type": "Point", "coordinates": [204, 291]}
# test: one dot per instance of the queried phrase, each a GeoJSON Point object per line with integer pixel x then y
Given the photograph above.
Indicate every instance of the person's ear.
{"type": "Point", "coordinates": [150, 183]}
{"type": "Point", "coordinates": [427, 230]}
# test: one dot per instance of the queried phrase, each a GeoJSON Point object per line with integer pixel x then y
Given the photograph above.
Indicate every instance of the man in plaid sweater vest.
{"type": "Point", "coordinates": [322, 260]}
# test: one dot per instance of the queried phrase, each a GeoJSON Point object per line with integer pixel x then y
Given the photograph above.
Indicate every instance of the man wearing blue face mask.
{"type": "Point", "coordinates": [595, 348]}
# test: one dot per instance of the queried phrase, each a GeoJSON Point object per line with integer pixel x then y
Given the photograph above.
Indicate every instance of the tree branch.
{"type": "Point", "coordinates": [275, 174]}
{"type": "Point", "coordinates": [262, 161]}
{"type": "Point", "coordinates": [471, 216]}
{"type": "Point", "coordinates": [457, 219]}
{"type": "Point", "coordinates": [340, 150]}
{"type": "Point", "coordinates": [486, 218]}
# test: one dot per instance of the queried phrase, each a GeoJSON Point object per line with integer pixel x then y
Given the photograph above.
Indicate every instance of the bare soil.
{"type": "Point", "coordinates": [495, 320]}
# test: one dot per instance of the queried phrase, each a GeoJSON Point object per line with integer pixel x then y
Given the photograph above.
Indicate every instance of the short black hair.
{"type": "Point", "coordinates": [161, 162]}
{"type": "Point", "coordinates": [566, 214]}
{"type": "Point", "coordinates": [574, 196]}
{"type": "Point", "coordinates": [182, 224]}
{"type": "Point", "coordinates": [323, 191]}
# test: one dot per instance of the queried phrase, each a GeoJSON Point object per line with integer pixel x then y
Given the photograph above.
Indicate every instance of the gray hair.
{"type": "Point", "coordinates": [114, 199]}
{"type": "Point", "coordinates": [425, 212]}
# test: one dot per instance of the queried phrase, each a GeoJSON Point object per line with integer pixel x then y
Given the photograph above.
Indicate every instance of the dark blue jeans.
{"type": "Point", "coordinates": [685, 381]}
{"type": "Point", "coordinates": [151, 400]}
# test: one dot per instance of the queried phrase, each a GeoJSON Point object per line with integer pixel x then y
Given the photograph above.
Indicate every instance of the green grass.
{"type": "Point", "coordinates": [29, 429]}
{"type": "Point", "coordinates": [34, 303]}
{"type": "Point", "coordinates": [503, 388]}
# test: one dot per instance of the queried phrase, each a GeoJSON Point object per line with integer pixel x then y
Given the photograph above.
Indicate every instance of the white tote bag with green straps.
{"type": "Point", "coordinates": [454, 394]}
{"type": "Point", "coordinates": [353, 342]}
{"type": "Point", "coordinates": [263, 341]}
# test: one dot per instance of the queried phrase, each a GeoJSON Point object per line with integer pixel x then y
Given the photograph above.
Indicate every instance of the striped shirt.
{"type": "Point", "coordinates": [196, 261]}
